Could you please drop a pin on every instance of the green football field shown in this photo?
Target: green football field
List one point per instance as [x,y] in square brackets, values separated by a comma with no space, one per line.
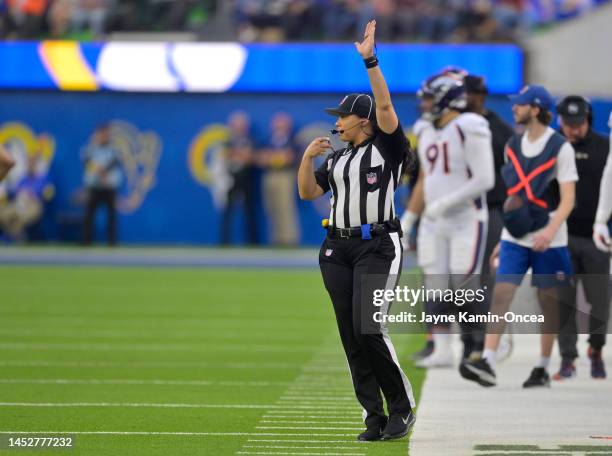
[170,361]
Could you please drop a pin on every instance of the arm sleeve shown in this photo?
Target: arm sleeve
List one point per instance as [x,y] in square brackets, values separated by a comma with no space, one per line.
[322,174]
[566,164]
[604,207]
[395,145]
[480,161]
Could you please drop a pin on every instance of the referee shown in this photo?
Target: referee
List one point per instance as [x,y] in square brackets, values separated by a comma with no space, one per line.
[363,241]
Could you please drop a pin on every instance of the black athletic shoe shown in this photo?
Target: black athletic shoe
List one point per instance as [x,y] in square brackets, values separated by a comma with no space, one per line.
[424,352]
[478,371]
[373,431]
[538,377]
[398,426]
[567,370]
[598,369]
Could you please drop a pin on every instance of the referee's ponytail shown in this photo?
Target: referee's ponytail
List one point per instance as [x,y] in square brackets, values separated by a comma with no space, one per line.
[409,162]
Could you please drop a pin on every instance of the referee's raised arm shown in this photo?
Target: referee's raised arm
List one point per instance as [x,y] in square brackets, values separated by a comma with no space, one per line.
[385,113]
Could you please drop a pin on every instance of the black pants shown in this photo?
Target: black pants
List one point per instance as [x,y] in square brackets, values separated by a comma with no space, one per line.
[242,190]
[592,267]
[494,230]
[95,198]
[487,276]
[371,357]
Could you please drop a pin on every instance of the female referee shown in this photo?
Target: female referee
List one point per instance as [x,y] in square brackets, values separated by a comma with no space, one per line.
[363,241]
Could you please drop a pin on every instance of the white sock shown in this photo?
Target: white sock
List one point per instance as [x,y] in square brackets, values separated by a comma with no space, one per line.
[543,362]
[489,355]
[442,341]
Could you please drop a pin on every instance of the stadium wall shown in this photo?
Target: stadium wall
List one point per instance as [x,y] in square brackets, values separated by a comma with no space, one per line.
[168,147]
[574,57]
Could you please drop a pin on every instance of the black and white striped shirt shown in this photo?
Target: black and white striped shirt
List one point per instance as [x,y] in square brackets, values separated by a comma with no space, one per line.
[363,179]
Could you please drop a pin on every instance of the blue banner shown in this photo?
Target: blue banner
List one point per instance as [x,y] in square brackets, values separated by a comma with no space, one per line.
[235,67]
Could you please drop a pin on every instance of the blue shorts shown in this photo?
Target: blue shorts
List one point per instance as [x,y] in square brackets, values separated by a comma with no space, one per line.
[551,268]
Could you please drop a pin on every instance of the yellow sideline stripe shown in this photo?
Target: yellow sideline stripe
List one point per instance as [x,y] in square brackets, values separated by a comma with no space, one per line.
[66,65]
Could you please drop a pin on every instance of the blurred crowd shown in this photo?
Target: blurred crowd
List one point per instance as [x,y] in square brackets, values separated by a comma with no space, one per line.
[94,19]
[397,20]
[287,20]
[245,166]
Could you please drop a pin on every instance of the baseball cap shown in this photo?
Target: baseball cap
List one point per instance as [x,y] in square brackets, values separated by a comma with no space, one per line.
[360,104]
[475,84]
[533,95]
[574,109]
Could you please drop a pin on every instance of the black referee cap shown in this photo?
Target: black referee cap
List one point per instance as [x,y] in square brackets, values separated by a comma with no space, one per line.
[360,104]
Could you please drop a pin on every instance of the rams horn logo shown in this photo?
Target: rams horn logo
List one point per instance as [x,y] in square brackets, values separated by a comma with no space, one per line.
[139,154]
[206,161]
[22,142]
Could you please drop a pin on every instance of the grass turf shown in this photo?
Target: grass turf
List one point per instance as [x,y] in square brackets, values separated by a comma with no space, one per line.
[240,352]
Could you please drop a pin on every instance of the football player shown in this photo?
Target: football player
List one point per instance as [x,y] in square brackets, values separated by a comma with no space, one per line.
[456,170]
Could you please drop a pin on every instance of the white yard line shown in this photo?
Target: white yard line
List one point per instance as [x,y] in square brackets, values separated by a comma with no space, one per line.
[147,365]
[323,404]
[146,405]
[269,415]
[297,428]
[314,412]
[346,442]
[309,397]
[322,390]
[278,348]
[301,453]
[285,421]
[300,447]
[211,434]
[195,336]
[97,381]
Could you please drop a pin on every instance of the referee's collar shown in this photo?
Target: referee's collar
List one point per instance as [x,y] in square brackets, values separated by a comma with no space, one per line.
[361,144]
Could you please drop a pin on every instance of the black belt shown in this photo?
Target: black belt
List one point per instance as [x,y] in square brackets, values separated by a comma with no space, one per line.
[376,229]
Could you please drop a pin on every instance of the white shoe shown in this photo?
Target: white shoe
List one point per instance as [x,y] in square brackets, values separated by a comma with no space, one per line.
[439,358]
[505,347]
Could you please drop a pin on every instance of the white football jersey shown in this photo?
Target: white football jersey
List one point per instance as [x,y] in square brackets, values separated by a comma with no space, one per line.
[420,125]
[442,156]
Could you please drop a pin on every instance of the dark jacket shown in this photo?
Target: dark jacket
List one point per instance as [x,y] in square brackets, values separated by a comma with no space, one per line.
[500,134]
[591,155]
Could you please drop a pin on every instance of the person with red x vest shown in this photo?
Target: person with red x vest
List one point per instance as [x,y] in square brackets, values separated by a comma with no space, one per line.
[540,176]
